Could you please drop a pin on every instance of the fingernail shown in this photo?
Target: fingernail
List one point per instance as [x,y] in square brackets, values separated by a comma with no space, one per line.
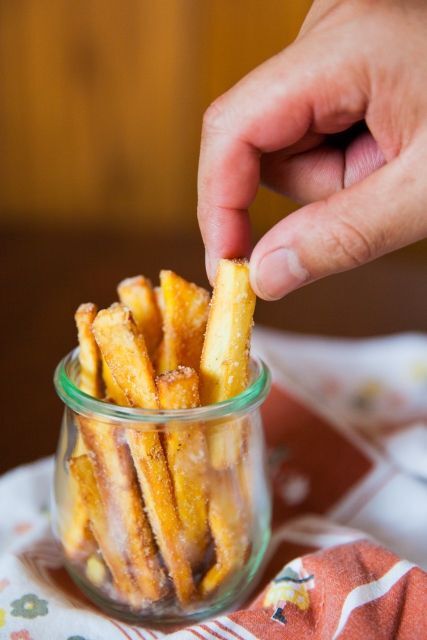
[278,273]
[210,264]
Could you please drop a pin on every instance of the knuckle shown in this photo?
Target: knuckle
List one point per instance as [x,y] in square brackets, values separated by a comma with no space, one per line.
[350,244]
[215,116]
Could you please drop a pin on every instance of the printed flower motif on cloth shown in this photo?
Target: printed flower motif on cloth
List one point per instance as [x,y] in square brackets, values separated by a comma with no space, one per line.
[292,584]
[20,635]
[29,606]
[2,618]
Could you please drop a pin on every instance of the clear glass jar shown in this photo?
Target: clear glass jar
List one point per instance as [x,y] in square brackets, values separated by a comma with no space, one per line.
[163,516]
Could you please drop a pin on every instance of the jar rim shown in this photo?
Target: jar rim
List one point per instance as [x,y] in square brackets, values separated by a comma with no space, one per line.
[84,404]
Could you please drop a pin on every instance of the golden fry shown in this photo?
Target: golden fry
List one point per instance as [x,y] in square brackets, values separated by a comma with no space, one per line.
[185,311]
[224,366]
[138,295]
[115,478]
[89,357]
[187,458]
[126,354]
[77,533]
[159,299]
[229,526]
[112,390]
[160,360]
[82,472]
[157,491]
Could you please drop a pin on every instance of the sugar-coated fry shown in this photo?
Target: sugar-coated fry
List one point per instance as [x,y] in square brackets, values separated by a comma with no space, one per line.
[187,459]
[157,491]
[252,458]
[89,357]
[229,526]
[159,299]
[161,361]
[118,489]
[225,358]
[138,295]
[126,354]
[82,472]
[112,390]
[77,534]
[185,311]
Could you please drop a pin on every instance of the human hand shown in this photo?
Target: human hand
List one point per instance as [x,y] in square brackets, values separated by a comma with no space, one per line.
[353,61]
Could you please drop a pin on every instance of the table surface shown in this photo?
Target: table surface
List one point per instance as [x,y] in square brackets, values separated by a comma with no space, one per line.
[46,274]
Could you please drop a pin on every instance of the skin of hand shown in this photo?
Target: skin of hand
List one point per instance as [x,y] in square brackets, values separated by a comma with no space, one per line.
[365,191]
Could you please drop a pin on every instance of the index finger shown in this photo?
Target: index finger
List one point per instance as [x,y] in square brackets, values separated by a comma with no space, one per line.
[308,86]
[253,117]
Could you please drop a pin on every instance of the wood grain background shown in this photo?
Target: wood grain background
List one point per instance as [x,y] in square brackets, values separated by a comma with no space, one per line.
[101,103]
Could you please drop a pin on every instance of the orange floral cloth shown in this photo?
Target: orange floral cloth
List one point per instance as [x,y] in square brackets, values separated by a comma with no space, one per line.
[346,424]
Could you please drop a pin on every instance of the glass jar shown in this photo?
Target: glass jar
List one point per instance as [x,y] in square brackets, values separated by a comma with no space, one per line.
[163,516]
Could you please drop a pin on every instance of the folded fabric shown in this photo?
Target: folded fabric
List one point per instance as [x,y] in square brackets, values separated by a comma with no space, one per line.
[346,424]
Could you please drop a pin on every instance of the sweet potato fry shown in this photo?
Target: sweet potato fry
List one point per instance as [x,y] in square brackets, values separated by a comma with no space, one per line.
[159,299]
[187,458]
[82,472]
[76,534]
[229,526]
[138,295]
[89,357]
[118,489]
[125,352]
[112,389]
[160,359]
[185,312]
[225,357]
[123,347]
[223,374]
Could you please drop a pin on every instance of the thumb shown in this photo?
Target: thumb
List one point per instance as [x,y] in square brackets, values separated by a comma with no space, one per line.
[383,212]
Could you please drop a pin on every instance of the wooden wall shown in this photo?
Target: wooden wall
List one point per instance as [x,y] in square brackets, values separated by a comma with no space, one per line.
[101,103]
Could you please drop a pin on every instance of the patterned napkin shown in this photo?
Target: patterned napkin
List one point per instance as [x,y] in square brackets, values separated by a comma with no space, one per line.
[346,423]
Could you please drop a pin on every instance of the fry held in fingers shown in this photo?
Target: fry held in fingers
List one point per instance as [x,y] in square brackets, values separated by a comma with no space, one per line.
[126,354]
[224,373]
[187,459]
[224,366]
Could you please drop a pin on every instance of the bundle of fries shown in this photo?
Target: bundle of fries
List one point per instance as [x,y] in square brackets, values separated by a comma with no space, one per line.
[162,511]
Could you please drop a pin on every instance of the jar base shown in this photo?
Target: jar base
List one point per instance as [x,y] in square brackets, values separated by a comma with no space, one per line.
[163,615]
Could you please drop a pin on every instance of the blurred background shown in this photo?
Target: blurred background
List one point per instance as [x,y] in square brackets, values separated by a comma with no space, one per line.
[101,105]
